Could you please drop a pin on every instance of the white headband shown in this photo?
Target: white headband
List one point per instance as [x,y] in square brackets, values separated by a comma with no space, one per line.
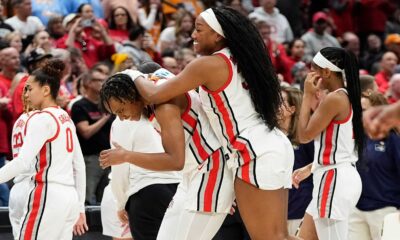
[210,18]
[322,62]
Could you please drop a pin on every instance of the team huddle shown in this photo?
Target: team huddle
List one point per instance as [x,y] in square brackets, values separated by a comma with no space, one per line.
[187,148]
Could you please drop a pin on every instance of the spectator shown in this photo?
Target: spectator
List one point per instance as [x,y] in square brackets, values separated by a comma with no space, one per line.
[237,5]
[351,42]
[55,28]
[291,9]
[23,22]
[342,13]
[388,63]
[380,181]
[41,40]
[318,38]
[368,84]
[394,88]
[372,16]
[6,129]
[280,28]
[171,65]
[373,54]
[393,24]
[277,51]
[178,36]
[10,63]
[119,24]
[73,6]
[184,56]
[34,60]
[392,43]
[130,5]
[93,130]
[295,54]
[134,47]
[92,50]
[14,40]
[45,10]
[151,17]
[4,27]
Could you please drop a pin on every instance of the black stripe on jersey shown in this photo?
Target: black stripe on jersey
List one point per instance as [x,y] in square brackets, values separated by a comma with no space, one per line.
[45,189]
[214,107]
[222,161]
[204,140]
[187,130]
[199,192]
[250,147]
[194,153]
[254,173]
[231,113]
[336,144]
[333,191]
[320,148]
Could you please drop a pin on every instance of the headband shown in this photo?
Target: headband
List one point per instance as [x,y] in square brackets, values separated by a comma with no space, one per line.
[210,18]
[323,62]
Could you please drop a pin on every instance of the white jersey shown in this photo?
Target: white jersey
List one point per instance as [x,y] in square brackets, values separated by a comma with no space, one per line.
[233,116]
[17,139]
[335,144]
[128,179]
[51,147]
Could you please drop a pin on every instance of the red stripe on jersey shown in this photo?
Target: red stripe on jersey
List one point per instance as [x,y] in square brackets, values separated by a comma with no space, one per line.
[230,76]
[328,144]
[38,193]
[55,119]
[325,193]
[197,142]
[228,124]
[212,179]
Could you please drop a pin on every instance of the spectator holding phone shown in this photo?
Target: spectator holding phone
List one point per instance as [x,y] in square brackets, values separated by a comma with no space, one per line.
[92,50]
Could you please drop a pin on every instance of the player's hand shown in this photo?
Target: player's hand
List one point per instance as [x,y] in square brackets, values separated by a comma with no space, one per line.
[300,174]
[312,84]
[233,210]
[112,157]
[80,226]
[123,217]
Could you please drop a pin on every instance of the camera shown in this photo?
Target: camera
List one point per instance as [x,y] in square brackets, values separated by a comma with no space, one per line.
[86,23]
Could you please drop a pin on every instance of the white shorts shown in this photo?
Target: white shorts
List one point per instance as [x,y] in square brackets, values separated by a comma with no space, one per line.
[18,200]
[180,223]
[336,192]
[52,211]
[112,226]
[271,170]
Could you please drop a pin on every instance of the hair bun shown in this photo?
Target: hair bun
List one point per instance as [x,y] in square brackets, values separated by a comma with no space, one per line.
[54,67]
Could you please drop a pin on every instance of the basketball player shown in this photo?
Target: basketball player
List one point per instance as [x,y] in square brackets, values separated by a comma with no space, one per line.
[56,197]
[240,94]
[337,130]
[205,195]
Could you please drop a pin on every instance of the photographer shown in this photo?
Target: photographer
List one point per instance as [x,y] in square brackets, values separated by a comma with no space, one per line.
[92,50]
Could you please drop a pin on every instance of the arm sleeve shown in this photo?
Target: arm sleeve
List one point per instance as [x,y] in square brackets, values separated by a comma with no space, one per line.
[148,22]
[79,174]
[40,128]
[120,184]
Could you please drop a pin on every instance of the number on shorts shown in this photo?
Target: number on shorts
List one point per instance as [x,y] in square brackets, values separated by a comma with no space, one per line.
[70,143]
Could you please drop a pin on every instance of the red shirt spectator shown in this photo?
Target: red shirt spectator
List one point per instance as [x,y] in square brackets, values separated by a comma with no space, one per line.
[382,80]
[5,120]
[373,14]
[16,99]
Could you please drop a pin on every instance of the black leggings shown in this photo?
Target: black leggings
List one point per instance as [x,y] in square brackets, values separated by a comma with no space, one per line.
[146,210]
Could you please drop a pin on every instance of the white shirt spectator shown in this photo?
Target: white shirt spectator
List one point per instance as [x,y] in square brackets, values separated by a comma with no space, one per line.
[30,27]
[280,28]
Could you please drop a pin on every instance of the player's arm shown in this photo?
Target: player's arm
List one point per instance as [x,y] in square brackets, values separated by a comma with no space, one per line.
[80,173]
[173,141]
[195,74]
[120,184]
[40,128]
